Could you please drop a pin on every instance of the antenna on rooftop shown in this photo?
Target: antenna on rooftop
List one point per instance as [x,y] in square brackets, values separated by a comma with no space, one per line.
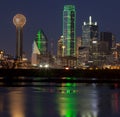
[90,20]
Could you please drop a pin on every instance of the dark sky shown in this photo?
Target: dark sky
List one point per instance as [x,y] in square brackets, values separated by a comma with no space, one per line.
[47,15]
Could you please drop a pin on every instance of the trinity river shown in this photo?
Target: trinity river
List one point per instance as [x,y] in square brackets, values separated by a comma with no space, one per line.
[59,99]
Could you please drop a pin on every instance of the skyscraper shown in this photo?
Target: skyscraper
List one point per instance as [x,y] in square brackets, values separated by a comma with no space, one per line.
[107,37]
[89,32]
[39,50]
[90,41]
[69,30]
[40,43]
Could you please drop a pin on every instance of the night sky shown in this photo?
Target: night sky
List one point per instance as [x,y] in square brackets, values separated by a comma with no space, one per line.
[47,15]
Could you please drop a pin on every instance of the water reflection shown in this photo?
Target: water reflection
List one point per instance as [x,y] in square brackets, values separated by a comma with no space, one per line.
[64,99]
[1,102]
[67,101]
[72,104]
[116,99]
[17,102]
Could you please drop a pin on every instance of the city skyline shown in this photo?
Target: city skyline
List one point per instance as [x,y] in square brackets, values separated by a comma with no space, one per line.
[47,15]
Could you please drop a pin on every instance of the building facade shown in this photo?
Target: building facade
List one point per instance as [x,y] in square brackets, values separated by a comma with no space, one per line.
[89,32]
[41,42]
[60,47]
[69,30]
[107,37]
[40,48]
[90,40]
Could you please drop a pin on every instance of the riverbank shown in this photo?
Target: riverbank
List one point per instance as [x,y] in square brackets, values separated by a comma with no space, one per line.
[101,73]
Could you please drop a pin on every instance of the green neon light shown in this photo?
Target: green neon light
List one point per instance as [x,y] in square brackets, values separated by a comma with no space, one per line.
[39,39]
[69,98]
[75,44]
[69,8]
[68,34]
[69,18]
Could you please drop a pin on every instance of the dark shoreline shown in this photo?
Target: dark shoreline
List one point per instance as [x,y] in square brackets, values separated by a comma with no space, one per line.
[12,77]
[101,73]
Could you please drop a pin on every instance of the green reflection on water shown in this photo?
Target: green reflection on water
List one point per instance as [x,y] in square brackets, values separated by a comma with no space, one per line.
[75,100]
[67,99]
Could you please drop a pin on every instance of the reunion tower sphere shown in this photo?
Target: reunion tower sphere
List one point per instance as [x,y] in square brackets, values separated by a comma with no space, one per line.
[19,20]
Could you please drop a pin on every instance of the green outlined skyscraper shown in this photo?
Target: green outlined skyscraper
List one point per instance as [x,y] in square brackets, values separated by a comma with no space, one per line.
[69,30]
[40,43]
[39,48]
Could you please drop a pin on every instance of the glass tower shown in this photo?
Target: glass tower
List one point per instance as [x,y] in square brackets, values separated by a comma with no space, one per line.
[107,37]
[40,43]
[39,49]
[89,32]
[69,30]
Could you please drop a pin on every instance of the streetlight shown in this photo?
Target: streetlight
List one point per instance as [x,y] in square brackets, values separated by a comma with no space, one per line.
[19,21]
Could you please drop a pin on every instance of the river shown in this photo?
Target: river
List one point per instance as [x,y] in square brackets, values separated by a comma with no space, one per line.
[51,99]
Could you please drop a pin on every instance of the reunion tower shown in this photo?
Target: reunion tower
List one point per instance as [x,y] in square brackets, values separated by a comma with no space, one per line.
[19,21]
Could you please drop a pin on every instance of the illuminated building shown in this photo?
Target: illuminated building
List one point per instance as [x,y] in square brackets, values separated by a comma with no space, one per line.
[89,32]
[83,56]
[118,51]
[69,30]
[62,60]
[113,41]
[94,53]
[39,48]
[107,48]
[19,21]
[60,47]
[90,41]
[78,45]
[41,42]
[1,54]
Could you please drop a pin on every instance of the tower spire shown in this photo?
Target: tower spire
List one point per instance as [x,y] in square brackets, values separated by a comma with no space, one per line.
[90,20]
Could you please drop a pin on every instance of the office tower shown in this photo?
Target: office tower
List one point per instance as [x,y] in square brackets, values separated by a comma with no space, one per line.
[90,37]
[39,50]
[78,45]
[118,51]
[109,48]
[69,30]
[19,21]
[89,32]
[107,37]
[40,43]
